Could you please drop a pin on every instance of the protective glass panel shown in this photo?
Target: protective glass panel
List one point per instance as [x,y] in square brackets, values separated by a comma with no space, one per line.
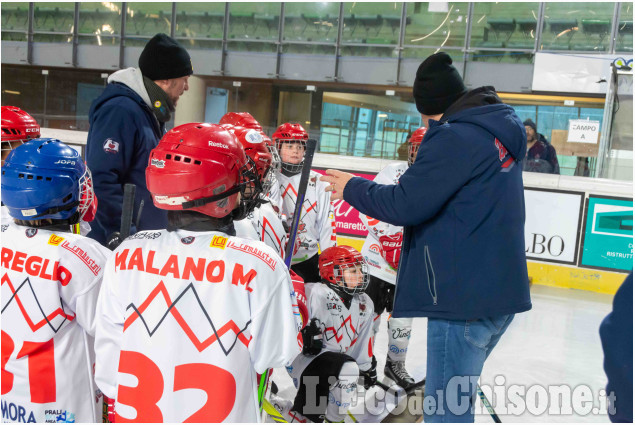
[249,21]
[436,24]
[200,20]
[148,18]
[577,26]
[624,42]
[372,23]
[311,21]
[53,17]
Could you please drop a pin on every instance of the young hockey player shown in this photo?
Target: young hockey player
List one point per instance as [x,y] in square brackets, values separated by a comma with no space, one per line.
[381,251]
[194,307]
[317,223]
[51,279]
[337,340]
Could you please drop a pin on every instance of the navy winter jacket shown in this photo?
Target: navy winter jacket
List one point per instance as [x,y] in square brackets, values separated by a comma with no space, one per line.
[123,130]
[463,210]
[616,333]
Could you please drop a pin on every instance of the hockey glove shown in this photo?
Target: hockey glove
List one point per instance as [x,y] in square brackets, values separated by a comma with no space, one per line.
[312,338]
[391,248]
[369,376]
[300,295]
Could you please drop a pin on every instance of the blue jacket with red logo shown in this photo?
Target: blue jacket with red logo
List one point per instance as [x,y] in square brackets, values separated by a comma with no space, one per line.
[462,206]
[123,130]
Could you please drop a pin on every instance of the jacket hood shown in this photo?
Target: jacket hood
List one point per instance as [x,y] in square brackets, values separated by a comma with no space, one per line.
[484,108]
[128,83]
[133,78]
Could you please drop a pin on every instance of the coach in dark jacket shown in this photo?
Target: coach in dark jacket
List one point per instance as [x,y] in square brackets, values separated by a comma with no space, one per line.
[126,122]
[462,207]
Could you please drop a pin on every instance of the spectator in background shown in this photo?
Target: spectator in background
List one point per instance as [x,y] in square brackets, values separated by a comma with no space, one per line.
[126,123]
[616,332]
[541,155]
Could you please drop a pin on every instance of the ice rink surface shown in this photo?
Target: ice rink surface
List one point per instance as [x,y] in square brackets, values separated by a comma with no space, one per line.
[556,343]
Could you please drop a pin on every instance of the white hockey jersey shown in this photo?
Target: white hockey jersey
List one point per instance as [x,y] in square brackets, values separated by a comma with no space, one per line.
[317,221]
[344,330]
[186,319]
[50,286]
[371,250]
[264,224]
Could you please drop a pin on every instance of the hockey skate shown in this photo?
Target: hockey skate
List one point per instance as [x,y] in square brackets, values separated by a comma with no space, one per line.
[395,372]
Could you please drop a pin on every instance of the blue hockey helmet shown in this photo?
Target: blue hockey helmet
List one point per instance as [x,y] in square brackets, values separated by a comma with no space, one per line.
[45,178]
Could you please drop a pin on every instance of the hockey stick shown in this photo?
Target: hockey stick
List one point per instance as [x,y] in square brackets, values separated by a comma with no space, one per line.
[487,404]
[127,208]
[304,181]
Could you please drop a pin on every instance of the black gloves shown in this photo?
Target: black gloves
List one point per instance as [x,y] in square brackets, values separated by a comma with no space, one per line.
[312,338]
[369,376]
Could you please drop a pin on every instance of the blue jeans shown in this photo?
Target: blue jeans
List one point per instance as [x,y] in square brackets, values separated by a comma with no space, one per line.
[457,350]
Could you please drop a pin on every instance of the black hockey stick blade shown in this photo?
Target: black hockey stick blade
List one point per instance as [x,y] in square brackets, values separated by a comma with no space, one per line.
[304,181]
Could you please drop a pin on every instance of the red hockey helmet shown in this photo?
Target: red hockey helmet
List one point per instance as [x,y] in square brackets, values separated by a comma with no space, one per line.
[201,167]
[290,133]
[17,128]
[414,143]
[338,267]
[241,119]
[256,148]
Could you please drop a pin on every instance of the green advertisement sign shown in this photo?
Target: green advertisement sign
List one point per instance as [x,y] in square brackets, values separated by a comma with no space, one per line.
[608,234]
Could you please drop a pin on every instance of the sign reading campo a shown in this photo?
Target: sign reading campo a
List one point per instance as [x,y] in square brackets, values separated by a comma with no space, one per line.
[583,131]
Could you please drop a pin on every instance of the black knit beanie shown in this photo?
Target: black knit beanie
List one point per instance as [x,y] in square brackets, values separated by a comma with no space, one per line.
[164,58]
[437,84]
[529,123]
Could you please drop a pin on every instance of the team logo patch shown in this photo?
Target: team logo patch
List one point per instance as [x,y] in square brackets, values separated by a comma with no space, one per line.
[218,242]
[111,146]
[30,232]
[55,240]
[157,163]
[187,240]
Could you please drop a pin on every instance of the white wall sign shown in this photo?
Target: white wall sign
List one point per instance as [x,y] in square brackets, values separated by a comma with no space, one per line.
[583,131]
[571,73]
[552,222]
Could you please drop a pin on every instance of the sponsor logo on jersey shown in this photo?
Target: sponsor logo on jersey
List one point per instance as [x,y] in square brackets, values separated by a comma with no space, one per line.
[218,242]
[30,232]
[396,350]
[266,258]
[111,146]
[59,416]
[159,163]
[16,413]
[375,248]
[187,240]
[82,255]
[55,240]
[145,235]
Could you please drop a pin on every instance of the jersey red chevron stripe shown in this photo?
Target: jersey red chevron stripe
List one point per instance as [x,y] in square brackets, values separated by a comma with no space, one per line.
[200,345]
[289,187]
[34,326]
[343,325]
